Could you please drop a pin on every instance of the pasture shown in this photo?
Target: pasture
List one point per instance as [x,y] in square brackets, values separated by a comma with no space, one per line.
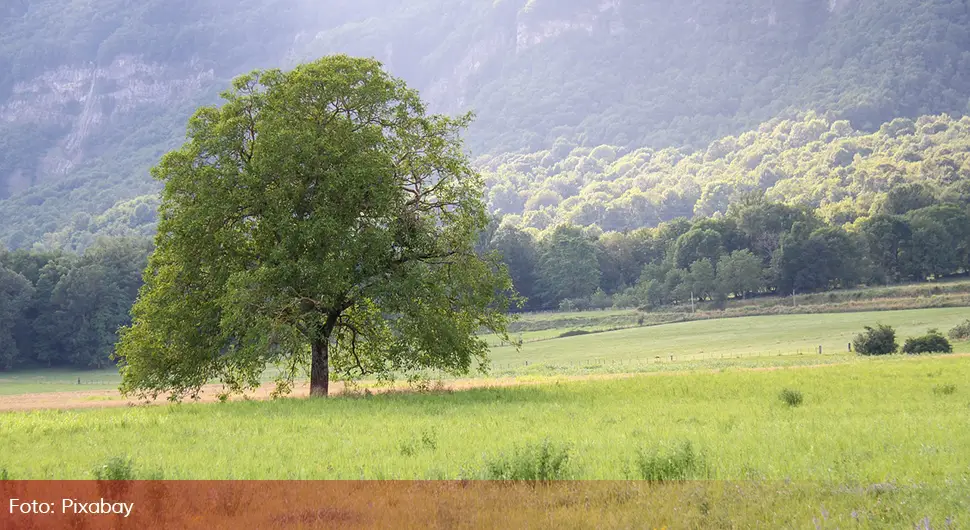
[756,341]
[775,438]
[744,337]
[883,441]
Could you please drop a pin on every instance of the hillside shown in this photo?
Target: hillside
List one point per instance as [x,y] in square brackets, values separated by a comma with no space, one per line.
[811,162]
[92,93]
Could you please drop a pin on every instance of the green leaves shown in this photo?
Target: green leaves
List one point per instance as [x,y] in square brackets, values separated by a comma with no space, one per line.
[317,210]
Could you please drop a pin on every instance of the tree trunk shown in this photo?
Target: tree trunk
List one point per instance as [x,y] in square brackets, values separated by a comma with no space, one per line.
[320,367]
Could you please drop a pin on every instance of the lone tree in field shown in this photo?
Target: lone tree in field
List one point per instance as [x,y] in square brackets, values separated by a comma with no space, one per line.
[318,218]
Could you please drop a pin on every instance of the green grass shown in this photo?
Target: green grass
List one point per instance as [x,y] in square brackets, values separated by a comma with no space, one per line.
[878,425]
[57,380]
[705,344]
[874,421]
[758,336]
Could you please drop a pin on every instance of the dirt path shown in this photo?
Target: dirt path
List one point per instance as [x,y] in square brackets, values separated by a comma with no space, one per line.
[111,398]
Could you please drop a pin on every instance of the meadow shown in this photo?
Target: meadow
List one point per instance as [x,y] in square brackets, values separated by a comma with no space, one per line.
[753,341]
[881,441]
[743,337]
[741,412]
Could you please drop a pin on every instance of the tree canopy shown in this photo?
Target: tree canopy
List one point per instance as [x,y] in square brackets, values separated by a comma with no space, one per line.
[319,218]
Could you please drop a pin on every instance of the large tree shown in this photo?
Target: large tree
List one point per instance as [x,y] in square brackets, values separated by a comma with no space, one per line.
[567,266]
[319,217]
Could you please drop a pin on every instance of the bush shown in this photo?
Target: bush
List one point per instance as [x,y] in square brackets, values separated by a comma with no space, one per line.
[880,340]
[116,468]
[792,398]
[682,463]
[574,304]
[932,342]
[945,390]
[600,300]
[961,332]
[536,462]
[626,299]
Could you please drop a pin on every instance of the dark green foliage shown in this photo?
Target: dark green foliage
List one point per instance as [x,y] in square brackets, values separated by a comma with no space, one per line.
[947,389]
[665,464]
[880,340]
[740,273]
[792,398]
[960,331]
[65,310]
[567,265]
[932,342]
[16,293]
[538,462]
[518,251]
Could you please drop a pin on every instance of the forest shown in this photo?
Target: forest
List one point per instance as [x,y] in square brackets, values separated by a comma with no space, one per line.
[64,309]
[815,162]
[825,207]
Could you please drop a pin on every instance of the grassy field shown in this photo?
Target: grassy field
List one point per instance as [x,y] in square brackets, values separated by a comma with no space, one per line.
[887,439]
[713,339]
[775,439]
[57,380]
[705,344]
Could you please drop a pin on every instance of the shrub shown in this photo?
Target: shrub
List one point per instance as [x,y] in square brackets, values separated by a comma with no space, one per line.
[880,340]
[681,463]
[116,468]
[932,342]
[535,462]
[961,331]
[600,300]
[792,398]
[945,390]
[626,299]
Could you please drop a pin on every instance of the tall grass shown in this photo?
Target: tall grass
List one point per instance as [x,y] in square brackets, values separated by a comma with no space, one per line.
[664,464]
[871,421]
[876,435]
[538,462]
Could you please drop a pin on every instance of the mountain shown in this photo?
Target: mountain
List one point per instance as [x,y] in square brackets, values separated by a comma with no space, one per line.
[93,92]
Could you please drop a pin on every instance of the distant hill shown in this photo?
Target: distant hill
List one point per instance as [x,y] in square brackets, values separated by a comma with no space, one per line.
[92,93]
[813,162]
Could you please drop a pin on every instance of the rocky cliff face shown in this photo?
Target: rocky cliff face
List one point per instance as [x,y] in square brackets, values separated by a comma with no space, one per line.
[78,102]
[82,101]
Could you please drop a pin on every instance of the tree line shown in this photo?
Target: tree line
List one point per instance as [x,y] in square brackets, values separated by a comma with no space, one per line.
[64,309]
[759,247]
